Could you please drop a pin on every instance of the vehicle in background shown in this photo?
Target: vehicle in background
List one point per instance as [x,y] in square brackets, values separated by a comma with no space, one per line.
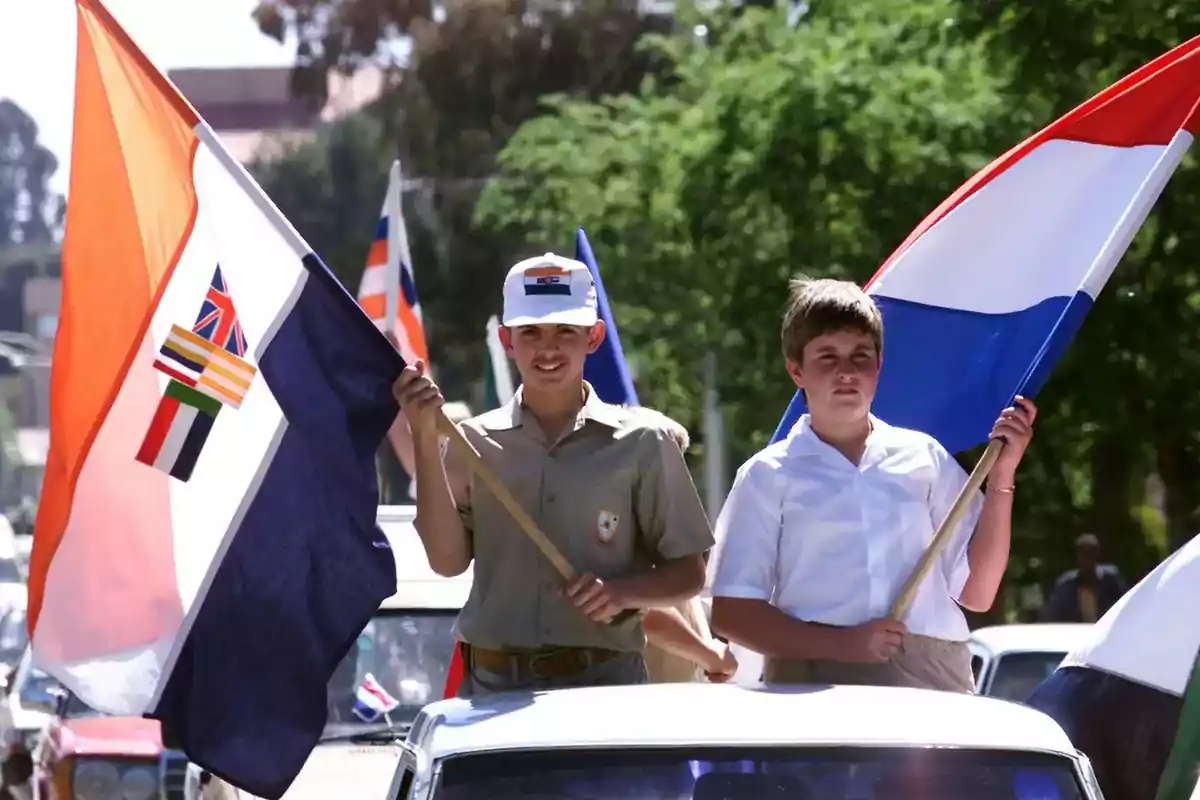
[1009,661]
[695,741]
[76,751]
[407,647]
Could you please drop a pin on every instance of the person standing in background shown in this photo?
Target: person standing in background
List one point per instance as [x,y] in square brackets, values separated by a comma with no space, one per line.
[1086,593]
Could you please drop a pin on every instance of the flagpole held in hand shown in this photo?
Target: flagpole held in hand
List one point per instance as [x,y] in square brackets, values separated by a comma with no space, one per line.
[492,481]
[946,530]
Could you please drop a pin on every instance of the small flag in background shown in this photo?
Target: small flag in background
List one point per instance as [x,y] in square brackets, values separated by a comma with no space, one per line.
[605,369]
[388,295]
[497,373]
[372,701]
[984,296]
[388,291]
[207,548]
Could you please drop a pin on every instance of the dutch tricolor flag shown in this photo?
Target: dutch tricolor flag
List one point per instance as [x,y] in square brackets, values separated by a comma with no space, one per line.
[984,296]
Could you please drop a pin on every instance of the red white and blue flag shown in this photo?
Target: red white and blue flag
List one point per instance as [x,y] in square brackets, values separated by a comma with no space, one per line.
[372,701]
[388,291]
[981,300]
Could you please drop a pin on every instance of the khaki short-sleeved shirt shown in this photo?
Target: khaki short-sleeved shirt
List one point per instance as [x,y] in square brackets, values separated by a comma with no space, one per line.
[614,495]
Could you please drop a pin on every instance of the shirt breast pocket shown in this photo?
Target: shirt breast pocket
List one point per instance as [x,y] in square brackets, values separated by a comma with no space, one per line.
[909,501]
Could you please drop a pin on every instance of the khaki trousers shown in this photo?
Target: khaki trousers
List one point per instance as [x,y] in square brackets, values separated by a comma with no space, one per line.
[922,662]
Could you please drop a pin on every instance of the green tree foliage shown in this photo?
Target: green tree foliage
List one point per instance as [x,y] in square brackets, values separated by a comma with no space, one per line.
[472,74]
[772,152]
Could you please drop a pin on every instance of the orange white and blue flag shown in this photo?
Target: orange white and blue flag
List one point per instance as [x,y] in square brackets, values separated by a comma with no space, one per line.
[388,292]
[206,541]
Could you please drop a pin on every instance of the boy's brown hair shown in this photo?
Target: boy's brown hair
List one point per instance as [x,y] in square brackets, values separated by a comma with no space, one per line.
[824,306]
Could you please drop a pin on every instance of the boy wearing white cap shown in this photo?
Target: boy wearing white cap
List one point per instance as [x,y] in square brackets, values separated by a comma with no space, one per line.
[607,485]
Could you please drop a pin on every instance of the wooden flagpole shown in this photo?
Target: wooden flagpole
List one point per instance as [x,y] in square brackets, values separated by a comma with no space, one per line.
[941,538]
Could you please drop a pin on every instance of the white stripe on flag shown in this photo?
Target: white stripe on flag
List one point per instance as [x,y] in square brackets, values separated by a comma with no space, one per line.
[168,454]
[374,281]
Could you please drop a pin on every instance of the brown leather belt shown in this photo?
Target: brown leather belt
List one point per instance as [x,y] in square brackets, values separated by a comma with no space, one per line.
[557,662]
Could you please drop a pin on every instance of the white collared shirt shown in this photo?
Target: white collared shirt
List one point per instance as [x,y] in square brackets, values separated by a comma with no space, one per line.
[829,541]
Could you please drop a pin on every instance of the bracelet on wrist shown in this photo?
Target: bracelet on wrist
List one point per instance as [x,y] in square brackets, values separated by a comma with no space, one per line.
[1010,489]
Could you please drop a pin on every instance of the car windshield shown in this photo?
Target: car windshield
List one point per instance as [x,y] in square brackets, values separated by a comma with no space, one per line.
[408,654]
[755,773]
[1016,675]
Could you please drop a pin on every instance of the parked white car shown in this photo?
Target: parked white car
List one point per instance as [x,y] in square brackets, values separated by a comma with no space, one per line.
[1009,661]
[407,646]
[705,741]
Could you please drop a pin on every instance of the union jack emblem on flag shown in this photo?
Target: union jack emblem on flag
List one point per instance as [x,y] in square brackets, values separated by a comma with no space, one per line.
[208,370]
[218,323]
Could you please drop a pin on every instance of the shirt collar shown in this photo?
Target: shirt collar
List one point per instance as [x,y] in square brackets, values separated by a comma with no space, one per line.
[803,440]
[510,415]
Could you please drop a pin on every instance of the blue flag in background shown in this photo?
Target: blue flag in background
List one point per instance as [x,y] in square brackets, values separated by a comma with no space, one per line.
[605,369]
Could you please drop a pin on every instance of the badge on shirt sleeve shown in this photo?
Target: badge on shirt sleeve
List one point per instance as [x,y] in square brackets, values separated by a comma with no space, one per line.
[606,526]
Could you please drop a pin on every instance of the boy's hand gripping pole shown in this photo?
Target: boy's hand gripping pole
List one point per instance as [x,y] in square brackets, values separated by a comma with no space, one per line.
[941,538]
[492,481]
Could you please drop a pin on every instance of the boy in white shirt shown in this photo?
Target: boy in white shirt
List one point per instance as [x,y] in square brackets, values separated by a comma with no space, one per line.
[822,529]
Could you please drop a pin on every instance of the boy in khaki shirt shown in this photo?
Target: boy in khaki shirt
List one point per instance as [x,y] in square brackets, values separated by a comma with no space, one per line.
[607,485]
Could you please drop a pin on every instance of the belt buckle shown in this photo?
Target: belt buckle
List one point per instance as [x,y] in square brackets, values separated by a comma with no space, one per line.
[555,656]
[539,658]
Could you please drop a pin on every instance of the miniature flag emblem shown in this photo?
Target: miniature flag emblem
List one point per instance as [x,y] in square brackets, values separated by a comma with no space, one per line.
[547,280]
[372,701]
[207,372]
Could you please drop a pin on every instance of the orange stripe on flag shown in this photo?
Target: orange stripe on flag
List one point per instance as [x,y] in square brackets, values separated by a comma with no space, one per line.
[132,209]
[378,253]
[544,272]
[413,331]
[375,305]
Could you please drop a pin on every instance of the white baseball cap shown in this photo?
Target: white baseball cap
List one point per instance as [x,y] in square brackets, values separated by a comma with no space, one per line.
[549,289]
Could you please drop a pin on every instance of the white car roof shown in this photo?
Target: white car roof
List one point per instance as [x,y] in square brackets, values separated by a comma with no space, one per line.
[716,715]
[1048,637]
[417,585]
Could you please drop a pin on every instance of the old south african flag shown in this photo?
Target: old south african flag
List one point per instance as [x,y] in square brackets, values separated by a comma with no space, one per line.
[208,370]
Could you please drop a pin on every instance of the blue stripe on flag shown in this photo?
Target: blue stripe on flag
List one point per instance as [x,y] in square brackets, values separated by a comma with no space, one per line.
[308,566]
[948,372]
[193,443]
[381,228]
[547,288]
[605,369]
